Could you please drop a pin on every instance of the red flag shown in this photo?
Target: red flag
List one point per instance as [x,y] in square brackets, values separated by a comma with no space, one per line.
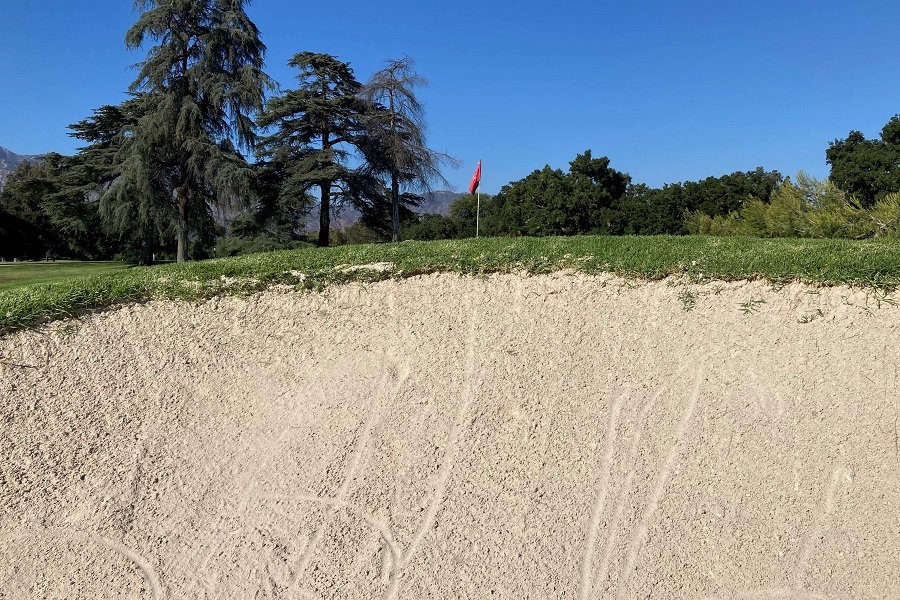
[476,179]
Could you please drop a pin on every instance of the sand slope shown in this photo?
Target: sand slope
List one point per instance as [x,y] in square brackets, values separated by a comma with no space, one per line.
[445,437]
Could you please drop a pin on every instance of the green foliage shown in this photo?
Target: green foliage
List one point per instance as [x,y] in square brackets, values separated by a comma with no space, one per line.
[314,126]
[807,208]
[202,84]
[281,216]
[395,145]
[359,233]
[432,227]
[377,209]
[139,221]
[22,202]
[235,246]
[649,211]
[751,306]
[42,213]
[550,202]
[594,198]
[885,216]
[463,214]
[867,169]
[688,300]
[19,238]
[459,224]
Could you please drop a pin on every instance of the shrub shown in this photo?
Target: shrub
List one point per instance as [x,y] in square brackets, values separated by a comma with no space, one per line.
[806,208]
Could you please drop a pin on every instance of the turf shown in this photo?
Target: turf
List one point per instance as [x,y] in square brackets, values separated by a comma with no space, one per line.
[873,263]
[14,275]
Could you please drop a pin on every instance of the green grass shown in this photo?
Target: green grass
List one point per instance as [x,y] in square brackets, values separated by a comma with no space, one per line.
[872,263]
[14,275]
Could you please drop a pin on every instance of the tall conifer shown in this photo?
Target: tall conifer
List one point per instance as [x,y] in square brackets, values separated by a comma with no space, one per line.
[203,82]
[315,127]
[396,146]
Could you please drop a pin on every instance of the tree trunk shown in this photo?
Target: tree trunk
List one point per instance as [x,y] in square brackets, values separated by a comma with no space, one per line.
[325,215]
[395,184]
[182,226]
[146,249]
[325,205]
[395,208]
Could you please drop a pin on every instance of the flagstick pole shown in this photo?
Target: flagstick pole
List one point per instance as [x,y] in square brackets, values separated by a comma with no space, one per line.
[478,206]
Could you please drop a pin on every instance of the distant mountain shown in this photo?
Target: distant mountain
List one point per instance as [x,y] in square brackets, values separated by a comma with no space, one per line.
[436,203]
[9,162]
[344,216]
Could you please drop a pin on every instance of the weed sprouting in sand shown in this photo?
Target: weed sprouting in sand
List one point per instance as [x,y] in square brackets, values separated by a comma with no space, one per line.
[811,316]
[882,295]
[751,306]
[688,300]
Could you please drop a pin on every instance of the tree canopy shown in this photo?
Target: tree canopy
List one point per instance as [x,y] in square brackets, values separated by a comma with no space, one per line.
[551,202]
[395,146]
[867,169]
[46,212]
[315,127]
[203,82]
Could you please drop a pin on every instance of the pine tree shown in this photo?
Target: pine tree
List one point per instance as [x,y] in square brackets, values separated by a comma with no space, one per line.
[22,200]
[61,219]
[99,164]
[203,81]
[396,146]
[316,126]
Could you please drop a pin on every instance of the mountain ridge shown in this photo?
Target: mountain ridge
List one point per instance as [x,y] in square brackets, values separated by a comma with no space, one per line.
[437,202]
[9,162]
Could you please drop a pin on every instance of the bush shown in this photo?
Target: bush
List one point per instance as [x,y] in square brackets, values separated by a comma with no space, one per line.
[807,208]
[432,227]
[358,233]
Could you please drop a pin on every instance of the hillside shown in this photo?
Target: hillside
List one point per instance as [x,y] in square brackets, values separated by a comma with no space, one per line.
[9,162]
[438,203]
[434,203]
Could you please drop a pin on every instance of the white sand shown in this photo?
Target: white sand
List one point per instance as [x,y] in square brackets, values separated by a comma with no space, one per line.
[445,437]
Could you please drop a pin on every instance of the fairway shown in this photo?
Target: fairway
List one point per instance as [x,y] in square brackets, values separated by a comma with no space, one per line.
[13,275]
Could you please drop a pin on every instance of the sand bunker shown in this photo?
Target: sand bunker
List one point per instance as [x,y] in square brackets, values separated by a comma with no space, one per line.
[445,437]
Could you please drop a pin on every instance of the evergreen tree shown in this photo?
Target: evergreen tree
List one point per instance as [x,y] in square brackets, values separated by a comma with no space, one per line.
[316,125]
[283,217]
[55,217]
[18,238]
[97,166]
[396,146]
[868,169]
[22,200]
[203,82]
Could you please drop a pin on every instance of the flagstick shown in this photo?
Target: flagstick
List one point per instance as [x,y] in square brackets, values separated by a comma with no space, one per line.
[478,214]
[478,204]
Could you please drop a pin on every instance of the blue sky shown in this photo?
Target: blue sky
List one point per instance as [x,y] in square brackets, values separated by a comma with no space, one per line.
[670,91]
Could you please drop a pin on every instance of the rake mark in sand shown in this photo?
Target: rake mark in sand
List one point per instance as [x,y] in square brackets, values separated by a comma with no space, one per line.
[640,532]
[142,563]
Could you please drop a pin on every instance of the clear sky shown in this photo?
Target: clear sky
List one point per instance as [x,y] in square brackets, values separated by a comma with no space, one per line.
[670,91]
